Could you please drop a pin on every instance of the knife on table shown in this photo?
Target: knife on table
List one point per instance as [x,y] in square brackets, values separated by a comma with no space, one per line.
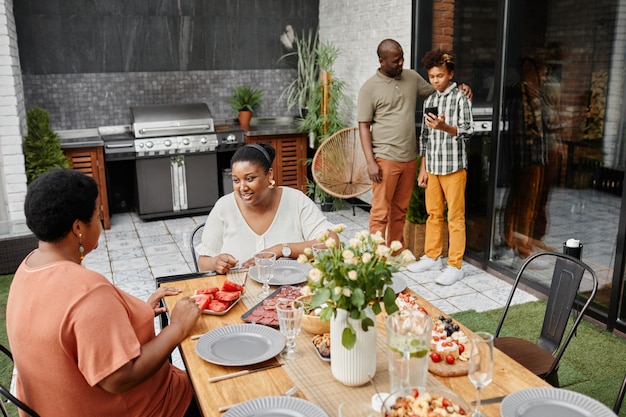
[492,400]
[244,372]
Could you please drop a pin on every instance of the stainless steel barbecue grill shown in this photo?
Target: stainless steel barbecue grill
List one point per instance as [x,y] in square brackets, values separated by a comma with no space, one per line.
[177,155]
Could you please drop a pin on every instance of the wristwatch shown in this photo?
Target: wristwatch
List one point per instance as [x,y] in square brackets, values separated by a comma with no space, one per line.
[286,251]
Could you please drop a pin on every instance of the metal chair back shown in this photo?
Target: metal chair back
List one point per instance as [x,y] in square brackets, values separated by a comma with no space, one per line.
[562,301]
[620,397]
[195,235]
[10,397]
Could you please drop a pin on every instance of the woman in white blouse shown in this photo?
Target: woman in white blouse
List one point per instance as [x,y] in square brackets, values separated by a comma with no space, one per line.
[258,216]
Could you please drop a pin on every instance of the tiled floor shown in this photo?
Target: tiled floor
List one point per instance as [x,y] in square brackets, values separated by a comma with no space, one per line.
[133,252]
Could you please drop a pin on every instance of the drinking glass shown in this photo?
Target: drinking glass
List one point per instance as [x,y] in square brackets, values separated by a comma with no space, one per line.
[265,262]
[409,333]
[480,365]
[289,321]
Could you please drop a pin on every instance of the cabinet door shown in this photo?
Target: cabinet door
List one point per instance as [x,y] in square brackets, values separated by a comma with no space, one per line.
[290,162]
[90,161]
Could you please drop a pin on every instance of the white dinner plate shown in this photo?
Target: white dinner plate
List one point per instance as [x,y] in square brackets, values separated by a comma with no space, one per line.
[286,272]
[278,406]
[240,344]
[553,402]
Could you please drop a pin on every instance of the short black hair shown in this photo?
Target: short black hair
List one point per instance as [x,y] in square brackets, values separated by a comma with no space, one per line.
[56,199]
[437,58]
[259,153]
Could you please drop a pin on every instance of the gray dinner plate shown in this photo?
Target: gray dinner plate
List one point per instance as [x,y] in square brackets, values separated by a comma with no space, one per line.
[278,406]
[553,402]
[286,272]
[240,344]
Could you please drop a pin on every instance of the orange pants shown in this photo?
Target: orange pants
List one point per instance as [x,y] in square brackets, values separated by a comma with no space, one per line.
[391,197]
[441,189]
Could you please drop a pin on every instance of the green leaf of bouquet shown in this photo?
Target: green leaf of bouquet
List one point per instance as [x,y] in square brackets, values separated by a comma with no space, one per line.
[358,298]
[320,297]
[376,308]
[366,323]
[348,338]
[389,299]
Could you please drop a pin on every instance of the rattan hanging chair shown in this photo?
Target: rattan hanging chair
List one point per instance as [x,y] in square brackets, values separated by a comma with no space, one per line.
[339,166]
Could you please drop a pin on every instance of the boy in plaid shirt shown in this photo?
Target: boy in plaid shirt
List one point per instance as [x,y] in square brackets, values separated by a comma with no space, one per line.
[443,169]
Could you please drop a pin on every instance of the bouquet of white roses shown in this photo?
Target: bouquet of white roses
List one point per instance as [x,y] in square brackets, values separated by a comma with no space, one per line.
[354,276]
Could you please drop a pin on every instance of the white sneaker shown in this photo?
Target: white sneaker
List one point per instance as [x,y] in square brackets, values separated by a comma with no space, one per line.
[449,276]
[425,264]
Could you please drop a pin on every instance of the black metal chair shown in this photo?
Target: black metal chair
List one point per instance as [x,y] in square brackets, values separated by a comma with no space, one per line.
[543,357]
[10,397]
[192,244]
[620,397]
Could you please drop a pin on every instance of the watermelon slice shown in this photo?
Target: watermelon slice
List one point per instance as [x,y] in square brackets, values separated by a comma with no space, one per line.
[203,300]
[227,296]
[231,286]
[218,306]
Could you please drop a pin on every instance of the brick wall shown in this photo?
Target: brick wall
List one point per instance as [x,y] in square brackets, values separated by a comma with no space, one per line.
[443,24]
[12,124]
[356,27]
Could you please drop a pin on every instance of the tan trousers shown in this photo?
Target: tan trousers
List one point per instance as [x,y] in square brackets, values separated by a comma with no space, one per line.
[441,189]
[391,197]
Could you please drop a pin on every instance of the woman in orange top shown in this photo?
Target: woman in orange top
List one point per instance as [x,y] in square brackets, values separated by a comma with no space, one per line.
[81,346]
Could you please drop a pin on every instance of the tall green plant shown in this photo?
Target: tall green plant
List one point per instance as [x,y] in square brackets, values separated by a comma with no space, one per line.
[304,48]
[324,125]
[42,147]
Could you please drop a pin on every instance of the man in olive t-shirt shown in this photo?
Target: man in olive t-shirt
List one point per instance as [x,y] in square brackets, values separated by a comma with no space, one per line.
[386,116]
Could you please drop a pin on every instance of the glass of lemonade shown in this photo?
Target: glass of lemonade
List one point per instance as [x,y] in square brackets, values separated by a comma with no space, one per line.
[409,333]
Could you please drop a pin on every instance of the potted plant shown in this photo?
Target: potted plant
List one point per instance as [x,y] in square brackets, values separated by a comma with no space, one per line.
[325,114]
[245,101]
[415,225]
[303,51]
[42,146]
[349,281]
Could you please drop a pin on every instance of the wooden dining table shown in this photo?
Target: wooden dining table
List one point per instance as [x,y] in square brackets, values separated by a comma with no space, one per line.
[309,373]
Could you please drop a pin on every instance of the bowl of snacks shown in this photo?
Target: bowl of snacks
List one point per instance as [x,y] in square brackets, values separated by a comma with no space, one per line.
[410,401]
[311,321]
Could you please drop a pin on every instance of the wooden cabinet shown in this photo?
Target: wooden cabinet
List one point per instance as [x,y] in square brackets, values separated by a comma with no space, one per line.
[90,160]
[290,163]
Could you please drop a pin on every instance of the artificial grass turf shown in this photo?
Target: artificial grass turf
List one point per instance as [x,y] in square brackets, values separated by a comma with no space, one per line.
[593,363]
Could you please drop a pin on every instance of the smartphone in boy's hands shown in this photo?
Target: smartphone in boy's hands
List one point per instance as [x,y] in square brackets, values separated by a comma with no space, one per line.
[432,110]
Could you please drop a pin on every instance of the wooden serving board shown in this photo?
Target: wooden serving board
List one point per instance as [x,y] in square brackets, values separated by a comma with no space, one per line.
[443,368]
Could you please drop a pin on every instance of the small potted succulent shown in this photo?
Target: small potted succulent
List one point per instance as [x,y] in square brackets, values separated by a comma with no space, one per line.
[245,101]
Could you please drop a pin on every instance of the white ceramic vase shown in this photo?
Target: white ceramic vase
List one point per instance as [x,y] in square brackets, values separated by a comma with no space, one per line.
[352,367]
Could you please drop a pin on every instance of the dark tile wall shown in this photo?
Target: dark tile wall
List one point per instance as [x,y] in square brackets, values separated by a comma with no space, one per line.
[79,101]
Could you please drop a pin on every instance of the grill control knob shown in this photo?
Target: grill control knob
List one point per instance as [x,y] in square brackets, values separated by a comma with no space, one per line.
[167,142]
[149,144]
[231,138]
[203,140]
[186,141]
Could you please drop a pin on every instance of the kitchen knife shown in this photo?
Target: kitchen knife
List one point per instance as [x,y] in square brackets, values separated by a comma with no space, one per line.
[492,400]
[244,372]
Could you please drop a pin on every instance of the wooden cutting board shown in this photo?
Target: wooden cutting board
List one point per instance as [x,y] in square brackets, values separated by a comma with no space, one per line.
[443,368]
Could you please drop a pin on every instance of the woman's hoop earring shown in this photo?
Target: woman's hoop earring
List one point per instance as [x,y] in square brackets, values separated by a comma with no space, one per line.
[81,248]
[272,184]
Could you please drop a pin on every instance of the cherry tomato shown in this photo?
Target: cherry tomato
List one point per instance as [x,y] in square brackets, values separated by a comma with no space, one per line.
[435,356]
[446,402]
[423,310]
[416,393]
[450,359]
[461,348]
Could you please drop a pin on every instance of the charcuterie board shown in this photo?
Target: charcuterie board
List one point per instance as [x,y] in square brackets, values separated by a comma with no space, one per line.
[264,312]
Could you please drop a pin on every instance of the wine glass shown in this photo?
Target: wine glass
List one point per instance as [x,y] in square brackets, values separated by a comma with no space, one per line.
[289,314]
[481,365]
[264,262]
